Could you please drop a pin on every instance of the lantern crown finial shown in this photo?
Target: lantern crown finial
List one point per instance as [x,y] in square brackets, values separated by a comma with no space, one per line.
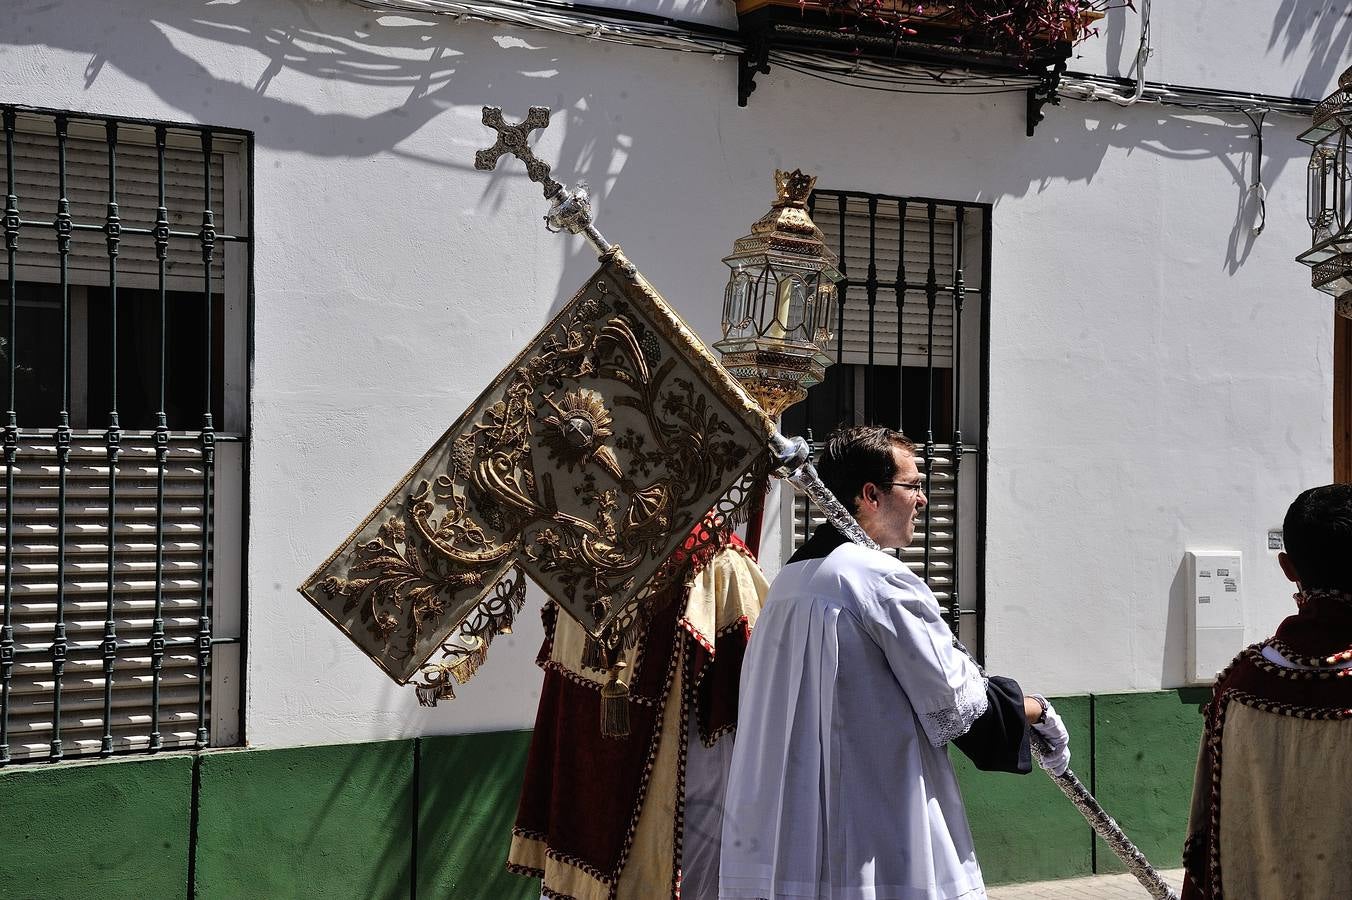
[793,188]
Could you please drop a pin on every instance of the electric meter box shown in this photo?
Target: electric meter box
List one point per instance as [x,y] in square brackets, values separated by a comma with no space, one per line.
[1215,612]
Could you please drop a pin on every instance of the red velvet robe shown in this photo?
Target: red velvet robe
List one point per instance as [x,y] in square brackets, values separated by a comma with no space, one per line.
[601,818]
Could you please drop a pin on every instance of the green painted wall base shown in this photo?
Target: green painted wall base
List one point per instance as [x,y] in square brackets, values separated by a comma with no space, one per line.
[465,824]
[432,817]
[1136,752]
[336,821]
[1023,827]
[1145,756]
[104,829]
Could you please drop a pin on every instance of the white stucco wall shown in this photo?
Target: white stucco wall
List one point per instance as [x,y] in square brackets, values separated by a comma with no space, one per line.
[1160,377]
[1291,48]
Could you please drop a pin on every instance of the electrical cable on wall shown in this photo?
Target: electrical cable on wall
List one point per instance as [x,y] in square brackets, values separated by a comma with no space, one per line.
[611,26]
[898,77]
[1143,53]
[622,26]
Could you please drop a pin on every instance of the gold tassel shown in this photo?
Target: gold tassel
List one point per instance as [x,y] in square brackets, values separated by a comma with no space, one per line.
[469,661]
[615,705]
[594,654]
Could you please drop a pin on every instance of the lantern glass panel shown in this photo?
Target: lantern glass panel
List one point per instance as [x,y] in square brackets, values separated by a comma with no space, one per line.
[738,320]
[1328,196]
[1317,175]
[1341,187]
[790,304]
[1334,276]
[762,300]
[824,314]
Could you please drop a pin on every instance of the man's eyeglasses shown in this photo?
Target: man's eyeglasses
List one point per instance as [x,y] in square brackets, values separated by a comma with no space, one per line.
[915,487]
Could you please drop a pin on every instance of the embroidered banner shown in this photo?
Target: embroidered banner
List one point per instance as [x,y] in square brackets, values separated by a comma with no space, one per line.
[586,463]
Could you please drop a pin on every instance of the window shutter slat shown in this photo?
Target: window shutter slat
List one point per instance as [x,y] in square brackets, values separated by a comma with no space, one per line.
[34,597]
[37,187]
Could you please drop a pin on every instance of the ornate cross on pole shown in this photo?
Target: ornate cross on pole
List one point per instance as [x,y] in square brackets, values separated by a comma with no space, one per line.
[569,210]
[512,140]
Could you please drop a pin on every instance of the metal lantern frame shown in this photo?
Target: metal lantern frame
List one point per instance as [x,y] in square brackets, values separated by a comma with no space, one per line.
[807,312]
[1329,196]
[780,300]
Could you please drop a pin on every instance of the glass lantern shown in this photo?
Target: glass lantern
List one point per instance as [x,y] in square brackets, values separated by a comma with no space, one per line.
[780,300]
[1328,196]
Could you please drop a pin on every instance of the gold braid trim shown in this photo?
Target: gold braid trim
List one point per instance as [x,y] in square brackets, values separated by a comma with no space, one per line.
[467,649]
[1255,655]
[584,681]
[682,752]
[1315,662]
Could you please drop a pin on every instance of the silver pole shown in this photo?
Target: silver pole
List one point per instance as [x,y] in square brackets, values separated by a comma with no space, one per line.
[1107,828]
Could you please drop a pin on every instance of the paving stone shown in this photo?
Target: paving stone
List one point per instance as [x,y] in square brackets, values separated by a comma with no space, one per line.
[1097,887]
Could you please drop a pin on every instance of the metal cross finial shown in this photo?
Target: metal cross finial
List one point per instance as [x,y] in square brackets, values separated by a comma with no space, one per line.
[568,210]
[512,139]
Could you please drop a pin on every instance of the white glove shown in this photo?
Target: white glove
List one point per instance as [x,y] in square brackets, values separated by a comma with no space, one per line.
[1055,757]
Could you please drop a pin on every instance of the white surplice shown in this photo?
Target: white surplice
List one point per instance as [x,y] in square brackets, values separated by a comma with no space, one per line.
[841,787]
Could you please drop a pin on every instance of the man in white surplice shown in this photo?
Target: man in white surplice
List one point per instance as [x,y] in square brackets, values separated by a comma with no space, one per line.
[841,787]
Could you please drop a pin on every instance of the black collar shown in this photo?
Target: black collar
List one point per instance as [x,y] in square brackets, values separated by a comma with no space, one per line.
[825,539]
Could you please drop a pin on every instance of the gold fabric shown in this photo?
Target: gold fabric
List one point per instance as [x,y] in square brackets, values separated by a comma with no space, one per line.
[731,588]
[725,593]
[566,880]
[586,463]
[1284,789]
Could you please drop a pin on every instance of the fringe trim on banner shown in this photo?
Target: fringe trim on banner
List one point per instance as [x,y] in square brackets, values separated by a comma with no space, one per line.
[464,668]
[594,655]
[467,649]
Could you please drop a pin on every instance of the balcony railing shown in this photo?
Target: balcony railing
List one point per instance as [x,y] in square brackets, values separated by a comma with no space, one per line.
[985,37]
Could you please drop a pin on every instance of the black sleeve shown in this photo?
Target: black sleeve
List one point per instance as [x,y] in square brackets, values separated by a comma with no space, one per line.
[998,739]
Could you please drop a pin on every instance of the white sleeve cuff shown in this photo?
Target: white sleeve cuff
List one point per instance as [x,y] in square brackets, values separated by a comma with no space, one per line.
[946,723]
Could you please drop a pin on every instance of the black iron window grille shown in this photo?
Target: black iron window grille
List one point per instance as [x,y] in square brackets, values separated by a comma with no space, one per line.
[911,353]
[124,335]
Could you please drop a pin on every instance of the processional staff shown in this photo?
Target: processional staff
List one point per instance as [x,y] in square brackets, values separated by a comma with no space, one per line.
[777,365]
[613,446]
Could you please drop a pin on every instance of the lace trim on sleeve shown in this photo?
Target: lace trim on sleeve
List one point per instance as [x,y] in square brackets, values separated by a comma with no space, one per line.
[949,722]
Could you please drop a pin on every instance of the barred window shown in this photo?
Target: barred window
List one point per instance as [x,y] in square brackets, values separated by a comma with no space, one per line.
[910,354]
[123,346]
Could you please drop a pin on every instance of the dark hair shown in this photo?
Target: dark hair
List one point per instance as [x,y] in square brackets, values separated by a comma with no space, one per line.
[855,455]
[1317,532]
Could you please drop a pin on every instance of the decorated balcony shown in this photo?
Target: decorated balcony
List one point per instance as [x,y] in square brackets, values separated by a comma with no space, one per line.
[996,37]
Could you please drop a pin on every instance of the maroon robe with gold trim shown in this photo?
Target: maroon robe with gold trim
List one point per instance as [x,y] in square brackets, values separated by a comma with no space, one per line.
[601,818]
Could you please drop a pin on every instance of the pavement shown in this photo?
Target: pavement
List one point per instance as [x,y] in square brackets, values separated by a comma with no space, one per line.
[1096,887]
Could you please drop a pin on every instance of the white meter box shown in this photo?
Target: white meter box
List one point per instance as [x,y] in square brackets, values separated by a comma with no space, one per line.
[1215,612]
